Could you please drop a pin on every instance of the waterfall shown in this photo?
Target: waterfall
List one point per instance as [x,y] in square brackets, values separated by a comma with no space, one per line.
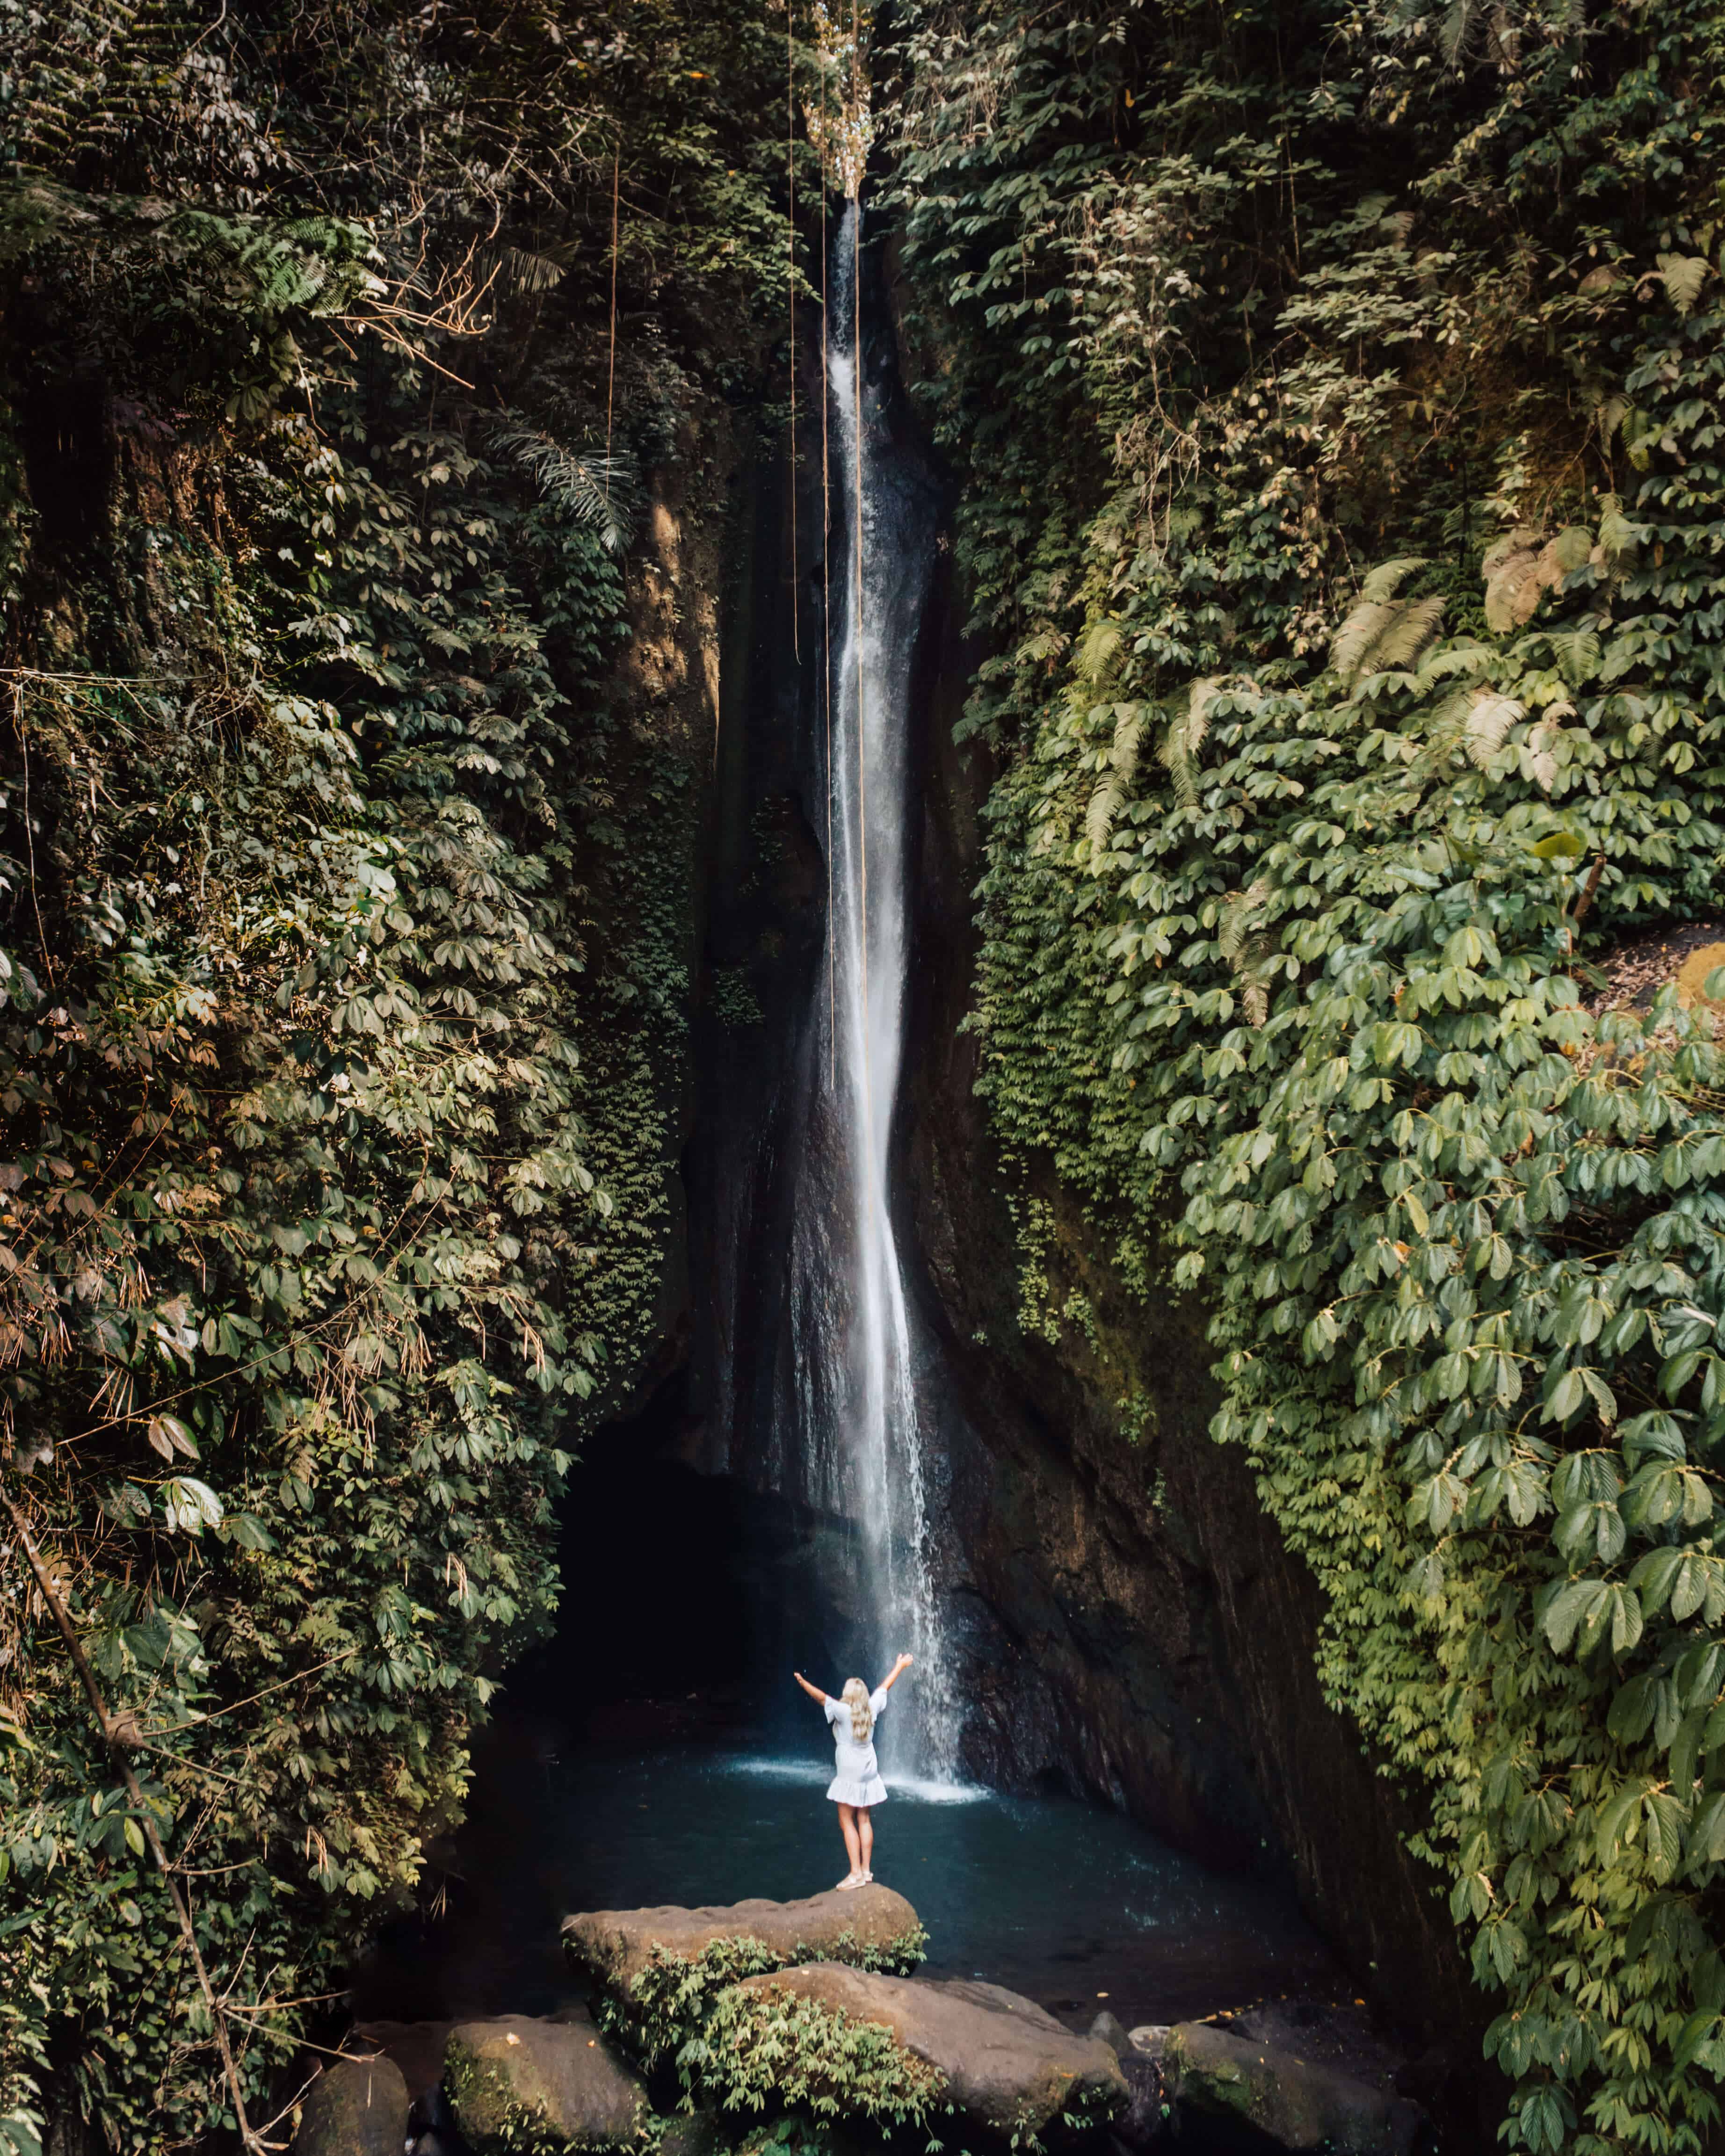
[850,1433]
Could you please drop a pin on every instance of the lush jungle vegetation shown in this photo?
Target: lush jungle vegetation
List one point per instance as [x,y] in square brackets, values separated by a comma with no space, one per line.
[1335,389]
[1334,393]
[344,858]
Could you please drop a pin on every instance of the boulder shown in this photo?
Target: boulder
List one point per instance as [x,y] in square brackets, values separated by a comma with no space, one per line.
[1006,2065]
[1211,2073]
[519,2083]
[1107,2029]
[355,2107]
[872,1925]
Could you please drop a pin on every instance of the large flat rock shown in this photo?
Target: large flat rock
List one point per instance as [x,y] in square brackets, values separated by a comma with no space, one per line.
[1006,2065]
[518,2083]
[871,1926]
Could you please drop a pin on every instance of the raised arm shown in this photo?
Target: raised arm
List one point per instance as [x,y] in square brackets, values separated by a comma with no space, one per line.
[897,1671]
[813,1690]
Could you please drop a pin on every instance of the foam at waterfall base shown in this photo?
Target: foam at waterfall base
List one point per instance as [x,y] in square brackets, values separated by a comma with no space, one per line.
[817,1774]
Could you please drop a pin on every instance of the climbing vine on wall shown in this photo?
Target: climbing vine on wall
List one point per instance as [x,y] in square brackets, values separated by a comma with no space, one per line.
[338,943]
[1336,391]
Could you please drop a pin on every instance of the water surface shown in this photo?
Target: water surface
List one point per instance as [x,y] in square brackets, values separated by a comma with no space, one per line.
[1069,1903]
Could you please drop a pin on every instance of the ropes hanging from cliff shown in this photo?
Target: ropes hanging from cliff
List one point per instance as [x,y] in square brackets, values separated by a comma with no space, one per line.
[790,166]
[611,370]
[843,141]
[862,760]
[826,609]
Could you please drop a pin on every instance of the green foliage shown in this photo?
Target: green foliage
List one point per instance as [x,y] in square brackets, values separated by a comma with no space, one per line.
[497,2120]
[340,937]
[670,2004]
[1217,312]
[765,2045]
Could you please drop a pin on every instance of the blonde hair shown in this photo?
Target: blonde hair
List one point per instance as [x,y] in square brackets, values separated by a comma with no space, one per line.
[855,1697]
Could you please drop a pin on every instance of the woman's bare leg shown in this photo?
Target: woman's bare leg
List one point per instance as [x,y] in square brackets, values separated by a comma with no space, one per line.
[847,1827]
[866,1836]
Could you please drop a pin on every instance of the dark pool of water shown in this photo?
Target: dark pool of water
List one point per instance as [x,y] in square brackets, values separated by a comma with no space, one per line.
[1061,1900]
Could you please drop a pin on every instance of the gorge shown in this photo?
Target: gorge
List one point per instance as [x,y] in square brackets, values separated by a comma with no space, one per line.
[823,835]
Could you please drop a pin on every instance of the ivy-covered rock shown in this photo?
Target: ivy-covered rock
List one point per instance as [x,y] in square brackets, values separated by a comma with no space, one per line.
[355,2107]
[1006,2066]
[520,2086]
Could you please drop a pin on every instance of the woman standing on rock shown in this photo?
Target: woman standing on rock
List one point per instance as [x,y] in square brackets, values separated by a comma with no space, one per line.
[856,1786]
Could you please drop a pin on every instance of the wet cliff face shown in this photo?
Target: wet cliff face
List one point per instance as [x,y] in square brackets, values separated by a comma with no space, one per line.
[1122,1616]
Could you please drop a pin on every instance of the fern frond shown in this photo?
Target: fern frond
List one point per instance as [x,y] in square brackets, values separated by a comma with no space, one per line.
[1384,582]
[1128,729]
[1237,911]
[1098,657]
[1683,276]
[1490,717]
[591,488]
[1248,954]
[1458,21]
[1358,635]
[1183,738]
[1099,817]
[1578,655]
[1404,637]
[1111,789]
[1382,631]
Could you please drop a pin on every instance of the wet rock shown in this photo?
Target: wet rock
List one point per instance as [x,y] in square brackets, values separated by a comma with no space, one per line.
[1107,2029]
[615,1945]
[1215,2075]
[1148,2120]
[355,2107]
[518,2083]
[1008,2065]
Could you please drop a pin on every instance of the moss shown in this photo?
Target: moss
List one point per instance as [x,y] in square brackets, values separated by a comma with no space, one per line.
[491,2116]
[499,2118]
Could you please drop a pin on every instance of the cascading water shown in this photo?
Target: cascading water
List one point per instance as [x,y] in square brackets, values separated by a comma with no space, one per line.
[848,1429]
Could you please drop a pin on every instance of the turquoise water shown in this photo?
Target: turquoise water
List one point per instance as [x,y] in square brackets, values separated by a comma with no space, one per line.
[1061,1900]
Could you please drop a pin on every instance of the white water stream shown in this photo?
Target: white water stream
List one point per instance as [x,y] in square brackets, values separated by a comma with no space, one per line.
[858,1442]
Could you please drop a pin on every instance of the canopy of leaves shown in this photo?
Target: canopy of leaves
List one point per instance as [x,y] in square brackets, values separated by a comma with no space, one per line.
[340,934]
[1337,389]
